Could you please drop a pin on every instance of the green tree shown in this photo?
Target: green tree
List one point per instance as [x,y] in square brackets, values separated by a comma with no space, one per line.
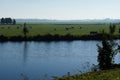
[119,30]
[2,21]
[8,20]
[106,53]
[25,30]
[14,21]
[112,28]
[105,56]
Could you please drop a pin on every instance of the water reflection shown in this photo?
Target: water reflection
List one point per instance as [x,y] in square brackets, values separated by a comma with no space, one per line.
[25,51]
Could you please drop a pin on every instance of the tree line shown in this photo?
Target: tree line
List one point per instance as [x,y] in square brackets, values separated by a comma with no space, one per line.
[7,21]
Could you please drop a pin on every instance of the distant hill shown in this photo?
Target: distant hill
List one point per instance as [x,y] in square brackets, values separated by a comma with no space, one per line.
[107,20]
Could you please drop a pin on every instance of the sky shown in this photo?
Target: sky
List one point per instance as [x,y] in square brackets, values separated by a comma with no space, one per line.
[60,9]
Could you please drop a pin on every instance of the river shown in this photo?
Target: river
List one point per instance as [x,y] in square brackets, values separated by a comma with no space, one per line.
[45,60]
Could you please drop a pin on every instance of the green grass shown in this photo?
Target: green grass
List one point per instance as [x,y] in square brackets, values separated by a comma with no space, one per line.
[113,74]
[49,28]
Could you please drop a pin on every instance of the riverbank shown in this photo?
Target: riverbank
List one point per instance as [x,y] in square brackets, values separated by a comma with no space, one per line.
[56,37]
[113,74]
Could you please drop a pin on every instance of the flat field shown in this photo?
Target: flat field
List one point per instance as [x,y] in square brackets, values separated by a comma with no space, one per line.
[76,29]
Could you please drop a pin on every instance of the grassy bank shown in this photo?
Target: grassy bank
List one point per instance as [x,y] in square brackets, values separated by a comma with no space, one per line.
[55,31]
[113,74]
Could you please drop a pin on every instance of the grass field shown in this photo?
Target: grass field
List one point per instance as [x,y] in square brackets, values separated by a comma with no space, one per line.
[76,29]
[113,74]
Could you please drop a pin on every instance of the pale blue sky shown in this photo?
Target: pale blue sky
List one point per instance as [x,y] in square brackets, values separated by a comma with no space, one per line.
[60,9]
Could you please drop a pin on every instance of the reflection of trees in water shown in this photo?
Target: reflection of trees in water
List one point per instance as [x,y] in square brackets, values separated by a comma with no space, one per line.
[24,77]
[25,50]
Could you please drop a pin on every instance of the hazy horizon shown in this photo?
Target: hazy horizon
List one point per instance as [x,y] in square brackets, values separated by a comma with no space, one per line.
[63,19]
[60,9]
[66,19]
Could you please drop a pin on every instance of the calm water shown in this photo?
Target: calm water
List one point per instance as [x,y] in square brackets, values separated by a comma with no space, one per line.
[43,60]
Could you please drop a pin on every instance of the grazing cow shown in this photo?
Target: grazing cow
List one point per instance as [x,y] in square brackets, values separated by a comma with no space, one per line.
[8,27]
[93,33]
[67,28]
[17,27]
[71,28]
[55,29]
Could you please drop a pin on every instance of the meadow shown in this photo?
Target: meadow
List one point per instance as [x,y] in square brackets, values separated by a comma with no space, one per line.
[75,29]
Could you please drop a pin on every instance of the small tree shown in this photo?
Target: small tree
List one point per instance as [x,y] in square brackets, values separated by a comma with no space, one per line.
[105,56]
[112,28]
[107,52]
[25,30]
[2,21]
[14,21]
[119,30]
